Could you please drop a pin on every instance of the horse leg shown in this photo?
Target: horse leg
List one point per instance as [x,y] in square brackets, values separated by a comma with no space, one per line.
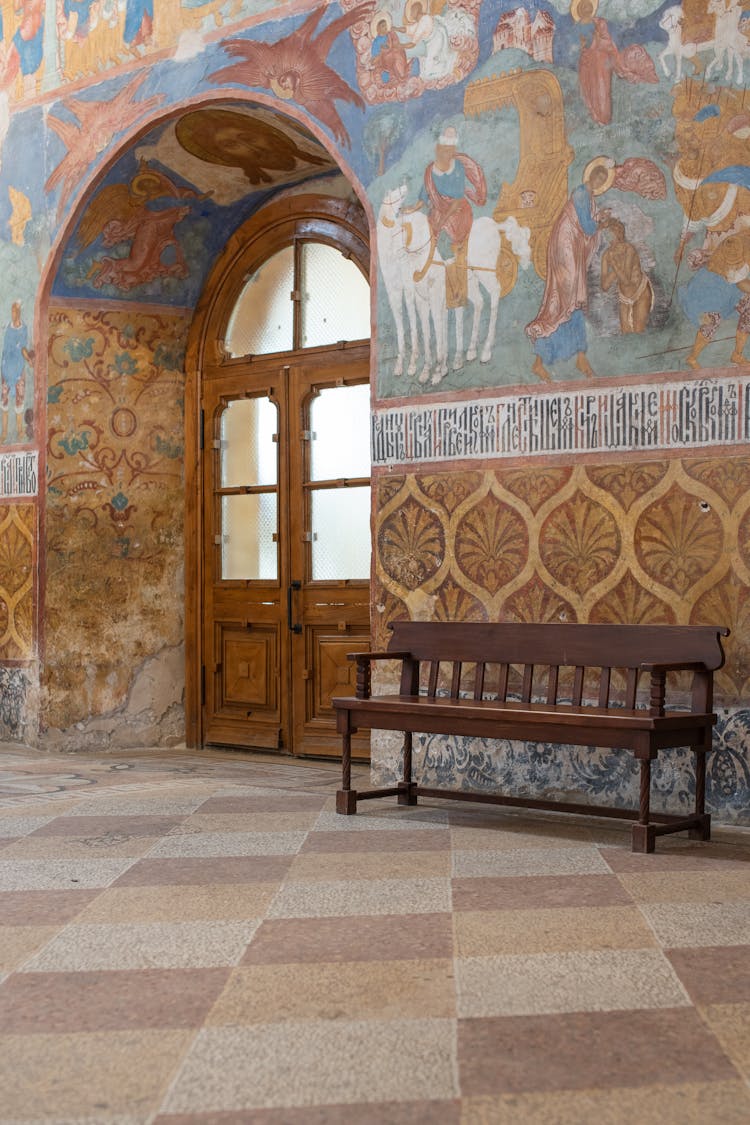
[477,304]
[411,313]
[423,309]
[440,322]
[493,291]
[458,322]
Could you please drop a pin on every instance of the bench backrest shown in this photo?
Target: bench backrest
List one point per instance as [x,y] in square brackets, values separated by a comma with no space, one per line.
[551,662]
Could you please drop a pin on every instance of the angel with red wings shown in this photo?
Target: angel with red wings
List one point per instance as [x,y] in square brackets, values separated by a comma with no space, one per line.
[96,123]
[295,67]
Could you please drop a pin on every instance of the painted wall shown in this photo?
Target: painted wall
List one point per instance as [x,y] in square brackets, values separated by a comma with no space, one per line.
[561,397]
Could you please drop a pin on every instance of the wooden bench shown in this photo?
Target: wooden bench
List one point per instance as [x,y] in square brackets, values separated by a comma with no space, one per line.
[569,684]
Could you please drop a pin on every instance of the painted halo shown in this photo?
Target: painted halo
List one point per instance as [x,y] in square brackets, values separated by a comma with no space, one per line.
[409,7]
[605,162]
[378,18]
[575,10]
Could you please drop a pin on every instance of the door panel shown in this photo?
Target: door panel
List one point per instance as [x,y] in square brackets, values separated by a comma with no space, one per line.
[280,610]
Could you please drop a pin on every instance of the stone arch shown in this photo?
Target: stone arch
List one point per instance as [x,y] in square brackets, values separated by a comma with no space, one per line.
[83,695]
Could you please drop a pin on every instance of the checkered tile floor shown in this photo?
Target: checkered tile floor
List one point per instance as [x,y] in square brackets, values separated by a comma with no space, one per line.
[200,938]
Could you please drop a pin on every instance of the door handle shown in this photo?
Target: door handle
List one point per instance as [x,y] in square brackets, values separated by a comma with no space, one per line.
[294,628]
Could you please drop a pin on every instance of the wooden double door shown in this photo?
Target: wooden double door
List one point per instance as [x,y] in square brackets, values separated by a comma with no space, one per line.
[287,547]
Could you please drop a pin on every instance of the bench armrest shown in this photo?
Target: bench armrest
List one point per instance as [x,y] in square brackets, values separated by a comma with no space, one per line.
[364,661]
[702,694]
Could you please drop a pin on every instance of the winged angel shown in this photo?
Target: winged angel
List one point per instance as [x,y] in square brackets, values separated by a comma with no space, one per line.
[295,67]
[95,125]
[144,214]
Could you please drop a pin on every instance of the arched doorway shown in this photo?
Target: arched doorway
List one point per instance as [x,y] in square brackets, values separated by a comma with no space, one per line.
[278,371]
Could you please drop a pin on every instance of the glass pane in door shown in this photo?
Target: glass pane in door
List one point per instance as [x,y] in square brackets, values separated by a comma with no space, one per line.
[248,458]
[249,547]
[340,433]
[341,544]
[262,321]
[335,297]
[249,451]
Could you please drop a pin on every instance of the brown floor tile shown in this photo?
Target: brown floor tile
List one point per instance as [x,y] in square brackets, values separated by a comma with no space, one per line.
[93,1078]
[108,1000]
[509,833]
[49,847]
[576,1051]
[220,902]
[215,869]
[103,828]
[713,885]
[314,867]
[691,1103]
[264,803]
[406,840]
[538,891]
[386,990]
[359,1113]
[730,1024]
[40,908]
[482,933]
[684,856]
[19,943]
[357,938]
[714,974]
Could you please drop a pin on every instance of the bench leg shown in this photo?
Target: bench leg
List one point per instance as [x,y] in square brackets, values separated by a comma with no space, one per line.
[406,794]
[701,831]
[644,834]
[644,838]
[346,797]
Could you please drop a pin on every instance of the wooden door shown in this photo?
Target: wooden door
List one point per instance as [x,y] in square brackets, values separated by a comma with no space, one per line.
[287,548]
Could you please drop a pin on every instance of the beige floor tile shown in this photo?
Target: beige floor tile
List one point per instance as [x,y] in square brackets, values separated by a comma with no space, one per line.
[694,1103]
[59,874]
[15,823]
[227,844]
[692,924]
[730,1024]
[316,1062]
[147,945]
[506,863]
[595,981]
[688,886]
[362,896]
[19,943]
[345,990]
[312,867]
[181,904]
[481,933]
[96,1075]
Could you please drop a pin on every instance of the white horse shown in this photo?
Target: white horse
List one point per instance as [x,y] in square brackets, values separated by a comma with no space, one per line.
[415,277]
[399,284]
[729,43]
[672,22]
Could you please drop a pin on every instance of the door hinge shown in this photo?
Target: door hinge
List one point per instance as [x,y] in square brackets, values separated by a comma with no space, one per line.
[201,429]
[203,685]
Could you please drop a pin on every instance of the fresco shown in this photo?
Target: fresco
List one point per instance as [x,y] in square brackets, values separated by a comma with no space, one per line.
[114,504]
[154,227]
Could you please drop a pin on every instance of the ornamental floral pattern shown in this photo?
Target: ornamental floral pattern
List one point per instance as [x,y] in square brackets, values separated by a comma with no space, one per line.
[114,504]
[17,566]
[659,542]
